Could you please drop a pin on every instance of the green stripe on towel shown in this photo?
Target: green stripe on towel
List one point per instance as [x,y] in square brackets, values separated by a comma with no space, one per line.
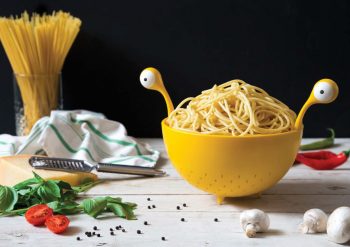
[67,146]
[120,142]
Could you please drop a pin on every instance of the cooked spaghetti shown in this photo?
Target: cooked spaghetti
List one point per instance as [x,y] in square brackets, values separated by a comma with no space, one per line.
[36,47]
[233,108]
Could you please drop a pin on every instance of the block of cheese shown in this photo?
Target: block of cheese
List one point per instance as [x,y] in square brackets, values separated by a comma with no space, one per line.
[15,169]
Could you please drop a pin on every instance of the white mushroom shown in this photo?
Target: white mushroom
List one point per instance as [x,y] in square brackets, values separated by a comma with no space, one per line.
[314,220]
[253,221]
[338,225]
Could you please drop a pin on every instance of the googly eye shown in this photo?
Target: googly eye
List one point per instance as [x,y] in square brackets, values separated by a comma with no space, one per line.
[324,92]
[147,78]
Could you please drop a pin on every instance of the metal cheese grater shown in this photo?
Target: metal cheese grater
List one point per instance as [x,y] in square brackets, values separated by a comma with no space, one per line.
[61,164]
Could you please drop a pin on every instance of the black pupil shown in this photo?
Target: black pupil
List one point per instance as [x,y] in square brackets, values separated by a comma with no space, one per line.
[321,92]
[145,79]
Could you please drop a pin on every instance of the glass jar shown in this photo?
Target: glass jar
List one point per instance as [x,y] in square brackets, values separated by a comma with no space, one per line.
[35,96]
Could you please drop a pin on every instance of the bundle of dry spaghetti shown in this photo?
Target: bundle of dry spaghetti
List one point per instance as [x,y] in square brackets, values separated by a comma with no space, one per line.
[36,47]
[233,108]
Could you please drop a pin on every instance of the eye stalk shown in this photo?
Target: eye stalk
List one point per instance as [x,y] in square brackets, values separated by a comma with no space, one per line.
[325,91]
[151,78]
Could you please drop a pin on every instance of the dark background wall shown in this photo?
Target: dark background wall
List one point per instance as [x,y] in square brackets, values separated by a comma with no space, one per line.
[283,46]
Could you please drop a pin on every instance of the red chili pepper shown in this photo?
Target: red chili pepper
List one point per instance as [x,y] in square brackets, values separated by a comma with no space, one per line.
[323,160]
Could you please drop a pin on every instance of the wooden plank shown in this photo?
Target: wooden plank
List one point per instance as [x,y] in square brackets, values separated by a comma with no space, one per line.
[199,229]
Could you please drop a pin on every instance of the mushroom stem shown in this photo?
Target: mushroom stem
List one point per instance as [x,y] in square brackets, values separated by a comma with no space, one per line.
[250,230]
[254,221]
[307,226]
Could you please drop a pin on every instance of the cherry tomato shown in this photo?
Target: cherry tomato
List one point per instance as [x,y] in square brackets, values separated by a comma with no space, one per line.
[37,214]
[57,223]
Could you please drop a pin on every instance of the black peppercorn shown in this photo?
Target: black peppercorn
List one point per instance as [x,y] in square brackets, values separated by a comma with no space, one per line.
[112,233]
[94,233]
[117,227]
[138,231]
[163,238]
[78,238]
[178,207]
[95,228]
[216,220]
[153,206]
[145,223]
[182,219]
[148,199]
[123,230]
[98,235]
[185,205]
[149,207]
[111,229]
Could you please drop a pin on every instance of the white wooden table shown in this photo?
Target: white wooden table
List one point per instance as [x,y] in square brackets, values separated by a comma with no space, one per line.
[301,189]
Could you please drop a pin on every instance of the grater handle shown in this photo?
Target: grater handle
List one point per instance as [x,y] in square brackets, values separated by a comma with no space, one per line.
[124,169]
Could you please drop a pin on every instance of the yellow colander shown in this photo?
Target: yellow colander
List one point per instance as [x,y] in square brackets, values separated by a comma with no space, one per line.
[233,166]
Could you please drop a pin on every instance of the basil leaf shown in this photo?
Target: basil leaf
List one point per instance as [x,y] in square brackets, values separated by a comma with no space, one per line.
[8,198]
[25,183]
[65,207]
[23,191]
[119,200]
[31,197]
[131,205]
[49,191]
[34,201]
[63,185]
[94,207]
[113,199]
[58,205]
[121,210]
[86,186]
[53,205]
[39,179]
[69,195]
[67,192]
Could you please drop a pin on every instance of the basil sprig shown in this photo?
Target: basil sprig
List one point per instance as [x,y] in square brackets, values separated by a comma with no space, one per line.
[61,197]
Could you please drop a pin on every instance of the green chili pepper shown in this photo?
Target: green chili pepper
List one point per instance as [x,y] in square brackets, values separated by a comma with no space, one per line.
[325,143]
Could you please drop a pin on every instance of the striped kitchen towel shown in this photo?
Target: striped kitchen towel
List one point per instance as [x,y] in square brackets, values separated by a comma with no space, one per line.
[83,135]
